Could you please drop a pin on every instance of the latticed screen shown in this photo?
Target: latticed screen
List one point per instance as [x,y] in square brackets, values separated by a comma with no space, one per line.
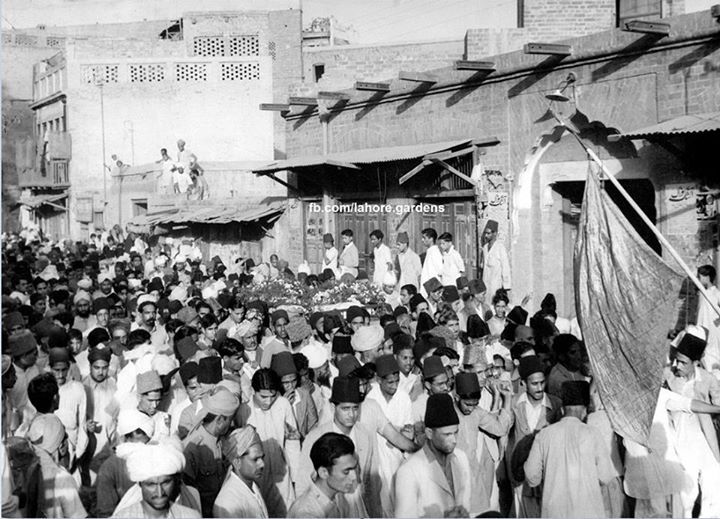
[209,46]
[99,73]
[244,46]
[191,72]
[240,71]
[147,73]
[51,41]
[272,49]
[26,40]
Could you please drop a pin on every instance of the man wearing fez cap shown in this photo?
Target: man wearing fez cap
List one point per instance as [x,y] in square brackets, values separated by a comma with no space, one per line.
[485,491]
[435,291]
[149,390]
[72,407]
[435,381]
[24,351]
[341,348]
[395,404]
[533,409]
[435,481]
[570,460]
[407,263]
[494,261]
[302,403]
[205,468]
[240,495]
[346,401]
[697,439]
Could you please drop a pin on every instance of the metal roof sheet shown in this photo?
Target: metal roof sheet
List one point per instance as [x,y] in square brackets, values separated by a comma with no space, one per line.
[212,214]
[686,124]
[362,156]
[35,201]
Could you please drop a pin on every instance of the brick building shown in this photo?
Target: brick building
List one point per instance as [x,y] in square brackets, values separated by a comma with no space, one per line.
[199,78]
[531,175]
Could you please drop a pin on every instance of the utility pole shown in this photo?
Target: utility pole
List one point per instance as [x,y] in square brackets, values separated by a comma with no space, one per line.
[100,82]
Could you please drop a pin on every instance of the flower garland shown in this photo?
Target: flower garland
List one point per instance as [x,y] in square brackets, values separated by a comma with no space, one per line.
[277,292]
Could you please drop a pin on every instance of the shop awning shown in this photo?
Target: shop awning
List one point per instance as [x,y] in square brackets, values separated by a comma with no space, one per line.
[350,159]
[684,125]
[211,214]
[35,201]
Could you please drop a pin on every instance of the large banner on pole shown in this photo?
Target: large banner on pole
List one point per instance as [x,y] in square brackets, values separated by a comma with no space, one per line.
[626,297]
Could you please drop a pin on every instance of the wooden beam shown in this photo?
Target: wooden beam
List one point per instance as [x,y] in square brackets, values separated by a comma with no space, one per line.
[647,27]
[275,107]
[303,101]
[454,171]
[340,164]
[450,193]
[481,66]
[420,77]
[414,171]
[333,96]
[282,182]
[490,141]
[445,155]
[373,87]
[553,49]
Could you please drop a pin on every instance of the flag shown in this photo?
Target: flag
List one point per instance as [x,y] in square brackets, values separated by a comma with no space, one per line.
[626,298]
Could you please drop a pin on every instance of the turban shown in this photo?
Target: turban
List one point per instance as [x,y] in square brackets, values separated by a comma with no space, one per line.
[187,315]
[130,420]
[47,432]
[104,276]
[304,268]
[100,352]
[49,272]
[232,386]
[239,442]
[245,329]
[342,344]
[386,365]
[145,299]
[467,385]
[221,402]
[209,292]
[298,329]
[440,411]
[84,284]
[81,295]
[575,392]
[150,461]
[432,367]
[316,355]
[22,343]
[345,390]
[134,283]
[529,365]
[163,364]
[367,338]
[179,293]
[148,381]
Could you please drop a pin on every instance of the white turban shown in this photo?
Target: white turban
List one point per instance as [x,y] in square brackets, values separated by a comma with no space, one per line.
[161,261]
[367,338]
[134,283]
[47,432]
[151,460]
[304,268]
[389,279]
[209,292]
[104,276]
[238,442]
[84,284]
[179,293]
[316,355]
[50,272]
[163,364]
[131,419]
[82,295]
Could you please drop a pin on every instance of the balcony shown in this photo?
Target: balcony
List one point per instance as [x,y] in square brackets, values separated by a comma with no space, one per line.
[53,175]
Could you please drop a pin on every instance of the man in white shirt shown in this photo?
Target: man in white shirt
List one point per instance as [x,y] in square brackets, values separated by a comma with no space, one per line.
[330,257]
[382,257]
[432,263]
[495,262]
[408,262]
[708,319]
[186,158]
[453,264]
[165,178]
[349,257]
[181,180]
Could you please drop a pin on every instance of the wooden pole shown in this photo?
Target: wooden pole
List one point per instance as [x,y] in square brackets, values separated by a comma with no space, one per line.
[642,216]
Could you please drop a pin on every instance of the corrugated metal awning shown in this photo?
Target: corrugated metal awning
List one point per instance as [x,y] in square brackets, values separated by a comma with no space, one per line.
[686,124]
[349,159]
[35,201]
[212,214]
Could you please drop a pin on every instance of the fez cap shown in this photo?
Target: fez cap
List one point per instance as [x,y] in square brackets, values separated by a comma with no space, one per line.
[432,284]
[345,390]
[386,365]
[210,370]
[342,344]
[529,365]
[467,385]
[575,392]
[440,411]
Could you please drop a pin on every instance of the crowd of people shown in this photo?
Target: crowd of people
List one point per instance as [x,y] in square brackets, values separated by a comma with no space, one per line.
[140,380]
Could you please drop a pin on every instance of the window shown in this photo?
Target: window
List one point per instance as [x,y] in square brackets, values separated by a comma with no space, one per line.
[139,207]
[628,10]
[319,70]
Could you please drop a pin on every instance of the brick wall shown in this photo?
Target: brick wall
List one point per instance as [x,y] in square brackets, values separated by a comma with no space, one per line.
[681,75]
[346,64]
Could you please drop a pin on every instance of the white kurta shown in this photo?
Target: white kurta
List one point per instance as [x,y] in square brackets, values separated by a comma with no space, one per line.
[453,267]
[496,268]
[330,261]
[349,260]
[236,499]
[103,408]
[410,268]
[72,412]
[382,256]
[432,268]
[710,320]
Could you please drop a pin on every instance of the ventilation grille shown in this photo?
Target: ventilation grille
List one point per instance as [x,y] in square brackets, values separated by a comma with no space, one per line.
[147,73]
[240,71]
[191,72]
[26,40]
[272,49]
[100,73]
[52,41]
[208,46]
[244,46]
